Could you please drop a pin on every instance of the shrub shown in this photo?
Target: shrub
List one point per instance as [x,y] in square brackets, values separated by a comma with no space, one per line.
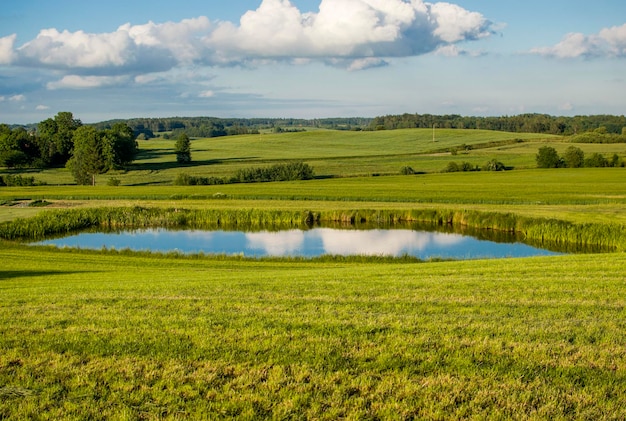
[574,157]
[452,167]
[183,179]
[547,157]
[494,165]
[406,170]
[19,181]
[466,166]
[596,160]
[114,182]
[13,159]
[279,172]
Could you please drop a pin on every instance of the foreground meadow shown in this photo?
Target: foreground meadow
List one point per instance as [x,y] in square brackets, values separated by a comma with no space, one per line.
[109,336]
[121,335]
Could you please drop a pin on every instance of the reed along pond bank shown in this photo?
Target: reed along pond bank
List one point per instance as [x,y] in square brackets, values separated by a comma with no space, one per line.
[601,236]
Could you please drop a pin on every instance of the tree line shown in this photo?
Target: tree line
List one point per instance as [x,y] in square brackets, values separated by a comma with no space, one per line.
[65,141]
[573,157]
[172,127]
[523,123]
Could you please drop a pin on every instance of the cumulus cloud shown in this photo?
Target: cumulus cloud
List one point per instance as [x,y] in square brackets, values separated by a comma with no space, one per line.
[346,29]
[7,54]
[86,82]
[610,42]
[358,34]
[206,94]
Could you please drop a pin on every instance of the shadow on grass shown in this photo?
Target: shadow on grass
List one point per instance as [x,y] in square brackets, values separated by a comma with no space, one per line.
[14,274]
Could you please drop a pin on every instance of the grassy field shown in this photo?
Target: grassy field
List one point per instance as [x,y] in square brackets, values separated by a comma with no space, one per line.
[121,335]
[94,336]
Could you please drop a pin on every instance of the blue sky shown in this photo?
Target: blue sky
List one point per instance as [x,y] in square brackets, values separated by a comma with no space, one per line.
[310,58]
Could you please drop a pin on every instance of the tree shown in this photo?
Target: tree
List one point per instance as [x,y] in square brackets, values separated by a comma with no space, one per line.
[547,157]
[183,149]
[119,146]
[574,157]
[55,138]
[596,160]
[88,158]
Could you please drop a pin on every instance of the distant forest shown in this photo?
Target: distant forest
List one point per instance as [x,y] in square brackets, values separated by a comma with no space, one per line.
[215,127]
[523,123]
[172,127]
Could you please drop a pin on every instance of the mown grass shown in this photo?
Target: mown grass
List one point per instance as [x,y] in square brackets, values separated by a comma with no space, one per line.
[92,336]
[123,335]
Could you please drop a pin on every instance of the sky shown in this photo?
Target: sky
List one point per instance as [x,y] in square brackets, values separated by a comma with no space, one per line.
[113,59]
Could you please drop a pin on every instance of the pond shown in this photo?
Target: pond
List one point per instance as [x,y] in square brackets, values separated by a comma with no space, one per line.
[306,243]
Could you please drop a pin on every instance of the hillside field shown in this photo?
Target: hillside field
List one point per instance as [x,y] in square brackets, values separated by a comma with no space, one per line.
[133,335]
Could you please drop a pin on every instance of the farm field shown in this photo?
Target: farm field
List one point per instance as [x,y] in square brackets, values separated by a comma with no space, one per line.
[123,335]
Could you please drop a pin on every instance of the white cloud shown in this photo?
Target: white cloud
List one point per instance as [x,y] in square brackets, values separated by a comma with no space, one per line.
[361,32]
[77,49]
[180,39]
[86,82]
[609,42]
[455,24]
[42,107]
[367,63]
[17,98]
[206,94]
[346,29]
[7,54]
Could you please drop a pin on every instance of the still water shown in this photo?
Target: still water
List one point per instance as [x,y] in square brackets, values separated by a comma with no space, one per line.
[305,243]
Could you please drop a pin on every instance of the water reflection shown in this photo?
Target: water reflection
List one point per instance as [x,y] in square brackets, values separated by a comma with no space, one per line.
[306,243]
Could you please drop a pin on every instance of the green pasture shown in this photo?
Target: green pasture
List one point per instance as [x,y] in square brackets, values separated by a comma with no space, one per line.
[110,336]
[577,195]
[333,154]
[329,152]
[123,335]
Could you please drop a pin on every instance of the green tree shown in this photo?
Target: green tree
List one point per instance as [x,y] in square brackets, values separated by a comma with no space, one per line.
[119,146]
[88,158]
[183,149]
[55,138]
[574,157]
[596,160]
[547,157]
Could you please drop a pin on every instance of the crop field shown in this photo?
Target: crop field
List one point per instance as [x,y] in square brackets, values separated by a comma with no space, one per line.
[135,335]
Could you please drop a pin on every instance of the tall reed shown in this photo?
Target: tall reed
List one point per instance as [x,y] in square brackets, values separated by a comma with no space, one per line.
[536,230]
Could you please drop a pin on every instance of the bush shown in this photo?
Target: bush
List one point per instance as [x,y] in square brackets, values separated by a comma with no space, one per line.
[19,181]
[574,157]
[547,157]
[190,180]
[114,182]
[13,159]
[463,166]
[452,167]
[596,160]
[407,170]
[494,165]
[279,172]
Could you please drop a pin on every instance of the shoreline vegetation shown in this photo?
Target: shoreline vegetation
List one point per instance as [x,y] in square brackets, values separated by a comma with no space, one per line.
[609,237]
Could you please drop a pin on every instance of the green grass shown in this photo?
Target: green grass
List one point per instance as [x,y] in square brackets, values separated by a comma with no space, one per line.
[122,335]
[91,336]
[336,153]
